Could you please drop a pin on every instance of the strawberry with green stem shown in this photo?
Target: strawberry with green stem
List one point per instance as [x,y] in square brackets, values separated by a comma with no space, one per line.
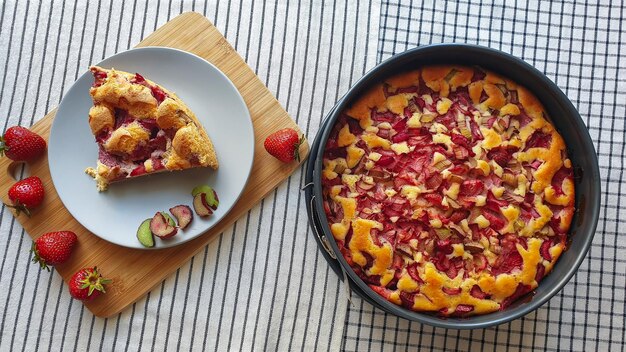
[26,194]
[284,145]
[21,144]
[87,284]
[53,248]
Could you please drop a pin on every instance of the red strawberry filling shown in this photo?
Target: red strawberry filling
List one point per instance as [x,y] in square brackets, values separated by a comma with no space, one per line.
[138,171]
[122,118]
[133,164]
[472,187]
[138,79]
[412,270]
[541,271]
[452,290]
[559,177]
[108,159]
[519,292]
[408,299]
[458,215]
[157,92]
[545,249]
[479,261]
[502,155]
[478,293]
[538,140]
[508,260]
[496,219]
[463,309]
[99,78]
[479,75]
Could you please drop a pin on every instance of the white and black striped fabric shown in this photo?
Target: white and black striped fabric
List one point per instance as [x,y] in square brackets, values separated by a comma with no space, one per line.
[262,285]
[582,48]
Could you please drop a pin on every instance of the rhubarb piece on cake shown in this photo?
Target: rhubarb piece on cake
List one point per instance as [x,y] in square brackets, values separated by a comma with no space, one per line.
[142,128]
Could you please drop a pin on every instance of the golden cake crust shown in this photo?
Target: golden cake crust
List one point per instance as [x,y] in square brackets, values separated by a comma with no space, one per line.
[100,117]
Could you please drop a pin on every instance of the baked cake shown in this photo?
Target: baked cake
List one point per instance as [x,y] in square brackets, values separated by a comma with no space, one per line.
[448,190]
[142,128]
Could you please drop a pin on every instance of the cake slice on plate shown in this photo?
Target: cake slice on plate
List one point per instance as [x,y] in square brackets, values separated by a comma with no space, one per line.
[142,128]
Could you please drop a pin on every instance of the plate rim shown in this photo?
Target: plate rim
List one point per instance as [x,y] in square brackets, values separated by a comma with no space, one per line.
[163,244]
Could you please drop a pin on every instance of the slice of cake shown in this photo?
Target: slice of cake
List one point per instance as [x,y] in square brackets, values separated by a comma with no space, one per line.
[142,128]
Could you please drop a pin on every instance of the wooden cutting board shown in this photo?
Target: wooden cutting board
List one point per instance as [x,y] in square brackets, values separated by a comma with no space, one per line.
[135,272]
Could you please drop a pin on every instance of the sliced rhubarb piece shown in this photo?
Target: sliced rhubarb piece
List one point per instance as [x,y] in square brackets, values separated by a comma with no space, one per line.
[464,309]
[507,261]
[199,205]
[201,189]
[502,155]
[138,171]
[479,261]
[444,246]
[169,219]
[452,290]
[211,199]
[545,249]
[412,270]
[541,272]
[471,187]
[478,293]
[183,215]
[144,234]
[161,227]
[458,215]
[407,299]
[538,140]
[474,247]
[520,291]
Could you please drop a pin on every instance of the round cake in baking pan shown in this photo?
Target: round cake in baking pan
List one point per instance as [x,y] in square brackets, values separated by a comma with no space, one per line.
[448,190]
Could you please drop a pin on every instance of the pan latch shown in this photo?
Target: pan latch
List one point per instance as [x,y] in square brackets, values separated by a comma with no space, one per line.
[322,238]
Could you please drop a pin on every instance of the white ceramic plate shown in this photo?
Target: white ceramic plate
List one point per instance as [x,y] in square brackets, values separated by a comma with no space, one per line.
[115,215]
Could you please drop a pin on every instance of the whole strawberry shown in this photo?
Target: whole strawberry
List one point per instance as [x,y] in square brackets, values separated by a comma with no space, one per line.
[20,144]
[284,145]
[53,248]
[87,284]
[26,194]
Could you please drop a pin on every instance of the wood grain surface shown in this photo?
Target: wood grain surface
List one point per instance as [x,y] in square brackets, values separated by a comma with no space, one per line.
[135,272]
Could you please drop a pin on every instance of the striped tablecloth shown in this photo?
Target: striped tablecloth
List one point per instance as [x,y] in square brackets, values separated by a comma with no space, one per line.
[581,47]
[263,285]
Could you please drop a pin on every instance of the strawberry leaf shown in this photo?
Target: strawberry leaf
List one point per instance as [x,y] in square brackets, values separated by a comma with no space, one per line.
[296,150]
[37,258]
